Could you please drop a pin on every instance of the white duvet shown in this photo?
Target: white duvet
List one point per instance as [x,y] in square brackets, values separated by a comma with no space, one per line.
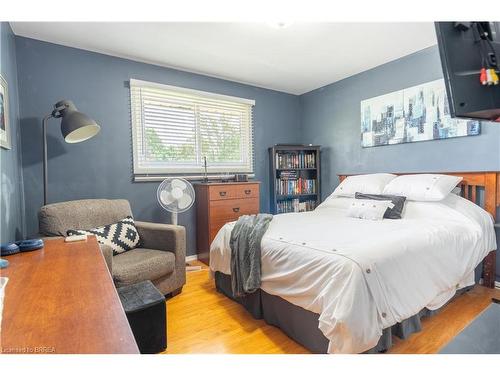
[362,276]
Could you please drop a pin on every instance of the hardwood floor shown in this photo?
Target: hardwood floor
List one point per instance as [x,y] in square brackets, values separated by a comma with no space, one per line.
[440,329]
[201,320]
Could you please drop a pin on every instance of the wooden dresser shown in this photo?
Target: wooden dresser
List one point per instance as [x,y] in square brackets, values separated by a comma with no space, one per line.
[218,203]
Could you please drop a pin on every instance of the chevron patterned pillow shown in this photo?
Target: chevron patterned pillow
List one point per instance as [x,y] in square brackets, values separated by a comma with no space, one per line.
[121,236]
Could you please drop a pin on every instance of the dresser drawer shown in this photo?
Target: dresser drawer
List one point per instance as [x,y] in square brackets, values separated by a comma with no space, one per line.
[214,229]
[230,191]
[222,192]
[247,191]
[225,213]
[232,209]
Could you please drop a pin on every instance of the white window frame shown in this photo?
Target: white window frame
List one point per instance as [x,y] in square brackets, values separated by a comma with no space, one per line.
[149,173]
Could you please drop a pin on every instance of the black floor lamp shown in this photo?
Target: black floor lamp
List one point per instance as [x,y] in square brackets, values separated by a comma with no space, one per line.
[75,127]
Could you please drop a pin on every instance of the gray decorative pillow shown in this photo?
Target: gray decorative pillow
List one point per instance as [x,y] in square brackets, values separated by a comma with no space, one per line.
[121,236]
[390,213]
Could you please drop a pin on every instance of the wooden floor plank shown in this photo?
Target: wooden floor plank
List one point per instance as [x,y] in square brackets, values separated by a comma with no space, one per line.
[201,320]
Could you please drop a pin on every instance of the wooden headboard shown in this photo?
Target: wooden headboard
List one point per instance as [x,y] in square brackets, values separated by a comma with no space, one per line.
[471,183]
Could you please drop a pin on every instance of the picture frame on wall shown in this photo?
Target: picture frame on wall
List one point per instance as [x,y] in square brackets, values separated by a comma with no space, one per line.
[414,114]
[4,115]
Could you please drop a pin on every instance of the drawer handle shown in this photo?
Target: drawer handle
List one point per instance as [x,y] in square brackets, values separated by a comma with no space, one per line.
[248,191]
[236,209]
[222,193]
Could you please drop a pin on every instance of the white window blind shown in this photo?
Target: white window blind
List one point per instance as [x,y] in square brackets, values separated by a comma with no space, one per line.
[174,128]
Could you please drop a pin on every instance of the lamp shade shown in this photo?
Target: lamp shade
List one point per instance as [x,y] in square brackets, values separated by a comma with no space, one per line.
[75,126]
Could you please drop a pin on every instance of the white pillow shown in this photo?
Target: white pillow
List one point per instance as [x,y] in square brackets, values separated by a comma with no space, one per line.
[368,209]
[364,183]
[423,187]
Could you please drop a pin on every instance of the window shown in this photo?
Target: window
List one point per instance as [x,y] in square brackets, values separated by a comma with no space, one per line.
[175,128]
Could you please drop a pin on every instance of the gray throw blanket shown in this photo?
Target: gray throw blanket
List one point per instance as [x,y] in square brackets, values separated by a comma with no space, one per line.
[246,237]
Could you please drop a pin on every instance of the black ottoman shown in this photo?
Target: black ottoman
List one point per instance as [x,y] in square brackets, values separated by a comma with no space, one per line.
[147,315]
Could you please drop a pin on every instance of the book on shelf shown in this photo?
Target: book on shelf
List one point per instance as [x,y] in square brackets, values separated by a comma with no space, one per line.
[295,160]
[295,205]
[295,186]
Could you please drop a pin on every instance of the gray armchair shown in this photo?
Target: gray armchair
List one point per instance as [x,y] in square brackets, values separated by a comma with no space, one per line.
[161,259]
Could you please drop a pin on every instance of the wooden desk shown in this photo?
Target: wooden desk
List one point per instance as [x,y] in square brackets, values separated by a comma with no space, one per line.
[62,299]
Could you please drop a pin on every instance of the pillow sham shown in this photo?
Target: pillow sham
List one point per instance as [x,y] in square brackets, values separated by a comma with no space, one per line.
[365,183]
[422,187]
[368,209]
[121,236]
[391,213]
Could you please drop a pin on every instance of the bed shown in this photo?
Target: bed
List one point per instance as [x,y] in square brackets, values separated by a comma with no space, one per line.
[341,285]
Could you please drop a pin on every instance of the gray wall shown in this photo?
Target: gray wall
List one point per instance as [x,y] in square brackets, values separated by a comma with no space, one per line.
[330,116]
[11,199]
[102,166]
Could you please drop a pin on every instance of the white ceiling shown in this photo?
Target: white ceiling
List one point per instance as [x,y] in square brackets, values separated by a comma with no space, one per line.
[295,59]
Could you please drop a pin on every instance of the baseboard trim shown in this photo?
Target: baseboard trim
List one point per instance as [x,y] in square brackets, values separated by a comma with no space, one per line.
[497,283]
[190,258]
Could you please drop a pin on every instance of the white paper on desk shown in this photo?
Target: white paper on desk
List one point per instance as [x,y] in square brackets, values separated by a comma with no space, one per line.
[3,284]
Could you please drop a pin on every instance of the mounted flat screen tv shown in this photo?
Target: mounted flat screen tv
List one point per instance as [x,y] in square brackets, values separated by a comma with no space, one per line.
[470,53]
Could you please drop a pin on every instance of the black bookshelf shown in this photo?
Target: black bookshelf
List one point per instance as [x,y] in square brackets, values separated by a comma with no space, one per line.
[294,178]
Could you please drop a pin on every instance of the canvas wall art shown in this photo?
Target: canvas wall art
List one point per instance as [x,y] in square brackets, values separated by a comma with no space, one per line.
[4,115]
[418,113]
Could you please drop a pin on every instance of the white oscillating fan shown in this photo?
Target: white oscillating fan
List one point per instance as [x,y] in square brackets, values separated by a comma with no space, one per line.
[175,195]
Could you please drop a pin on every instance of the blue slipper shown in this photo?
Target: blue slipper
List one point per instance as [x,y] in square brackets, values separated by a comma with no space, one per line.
[9,249]
[30,245]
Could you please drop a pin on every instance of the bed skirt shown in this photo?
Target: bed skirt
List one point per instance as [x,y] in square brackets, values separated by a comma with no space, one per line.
[302,325]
